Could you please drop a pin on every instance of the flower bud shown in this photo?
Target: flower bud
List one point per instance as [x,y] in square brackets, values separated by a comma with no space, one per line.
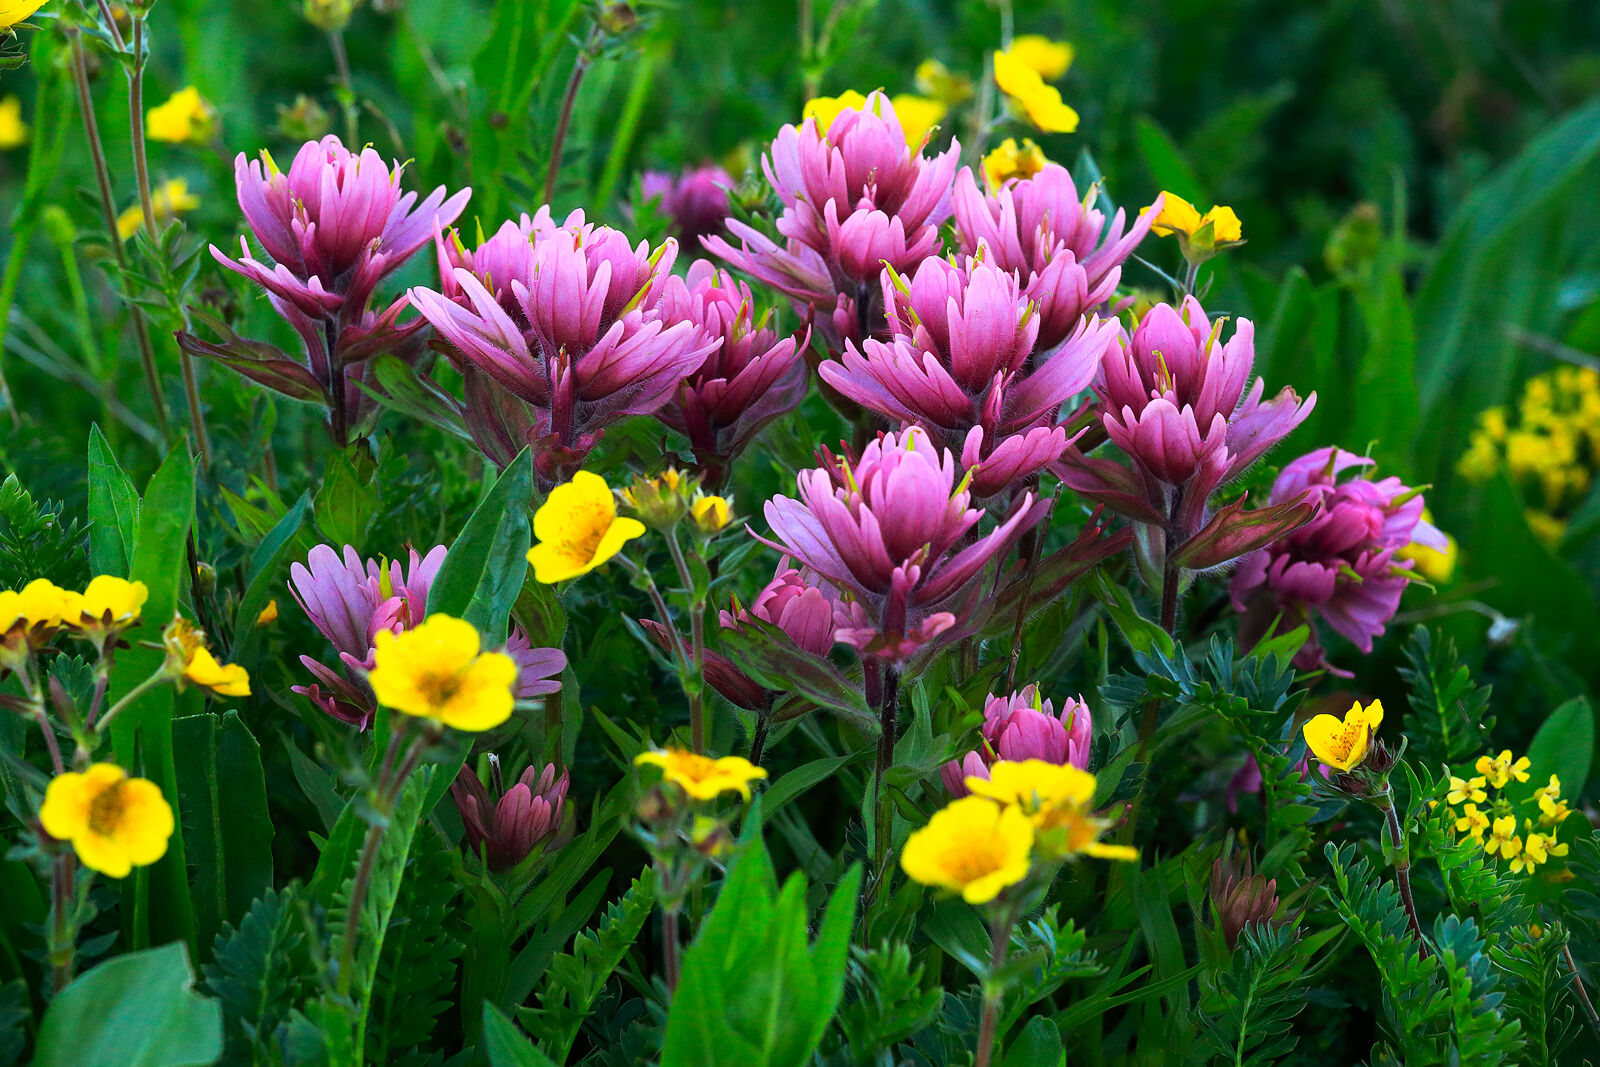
[329,16]
[305,120]
[205,579]
[661,502]
[1241,899]
[508,829]
[711,514]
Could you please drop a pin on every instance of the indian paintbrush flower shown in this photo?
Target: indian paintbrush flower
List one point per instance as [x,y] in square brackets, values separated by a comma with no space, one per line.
[1344,744]
[1023,726]
[696,201]
[963,363]
[438,670]
[919,116]
[891,532]
[1241,899]
[702,777]
[856,196]
[508,824]
[973,847]
[1342,567]
[335,225]
[578,529]
[114,823]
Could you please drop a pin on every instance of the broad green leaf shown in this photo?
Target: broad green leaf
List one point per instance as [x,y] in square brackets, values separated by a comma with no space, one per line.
[113,509]
[482,573]
[1564,746]
[345,503]
[1162,155]
[227,829]
[1039,1045]
[506,1045]
[266,564]
[135,1010]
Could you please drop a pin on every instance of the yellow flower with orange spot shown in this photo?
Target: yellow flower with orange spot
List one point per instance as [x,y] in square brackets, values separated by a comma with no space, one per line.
[578,529]
[438,671]
[702,777]
[191,662]
[115,823]
[1503,838]
[1009,161]
[1041,103]
[1344,744]
[973,847]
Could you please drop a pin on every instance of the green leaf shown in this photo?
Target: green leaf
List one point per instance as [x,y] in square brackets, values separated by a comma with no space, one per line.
[802,778]
[137,1010]
[1039,1045]
[1564,746]
[1162,155]
[345,504]
[266,563]
[482,573]
[228,830]
[506,1045]
[156,899]
[113,510]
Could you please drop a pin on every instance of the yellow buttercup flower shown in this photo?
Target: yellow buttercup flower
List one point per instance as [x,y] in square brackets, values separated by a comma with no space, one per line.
[702,777]
[269,614]
[1049,59]
[185,118]
[918,116]
[711,514]
[1473,822]
[1041,103]
[105,608]
[114,822]
[190,661]
[973,847]
[1537,850]
[168,200]
[1178,216]
[578,529]
[438,671]
[14,11]
[827,108]
[1466,789]
[13,131]
[1344,744]
[29,618]
[1501,769]
[1057,799]
[1009,161]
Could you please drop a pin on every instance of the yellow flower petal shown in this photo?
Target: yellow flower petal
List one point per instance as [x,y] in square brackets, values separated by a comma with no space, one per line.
[827,108]
[918,116]
[578,529]
[1040,102]
[114,822]
[1344,744]
[973,847]
[436,671]
[1049,59]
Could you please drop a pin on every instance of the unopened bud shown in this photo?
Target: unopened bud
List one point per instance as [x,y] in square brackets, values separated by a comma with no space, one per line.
[618,18]
[329,16]
[306,120]
[205,579]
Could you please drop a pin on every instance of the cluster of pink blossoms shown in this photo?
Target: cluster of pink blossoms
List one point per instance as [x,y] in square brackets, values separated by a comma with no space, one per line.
[1023,727]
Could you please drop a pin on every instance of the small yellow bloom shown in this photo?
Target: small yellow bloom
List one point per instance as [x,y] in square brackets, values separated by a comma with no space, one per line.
[14,11]
[29,618]
[933,78]
[827,108]
[168,200]
[186,118]
[1049,59]
[1503,838]
[437,671]
[973,847]
[660,501]
[1041,103]
[711,513]
[115,823]
[1537,850]
[702,777]
[13,131]
[1500,769]
[1466,789]
[1008,161]
[269,614]
[918,116]
[106,607]
[1056,798]
[578,529]
[190,661]
[1552,812]
[1473,822]
[1178,216]
[1344,744]
[1436,566]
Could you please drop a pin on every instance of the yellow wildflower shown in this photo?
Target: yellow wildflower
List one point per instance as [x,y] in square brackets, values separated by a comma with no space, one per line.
[1049,59]
[1436,566]
[114,822]
[934,79]
[918,116]
[702,777]
[578,529]
[1552,812]
[1056,798]
[438,671]
[973,847]
[1041,103]
[168,200]
[269,614]
[185,118]
[1344,744]
[105,608]
[191,661]
[13,131]
[1473,822]
[711,514]
[1537,850]
[14,11]
[1500,769]
[1008,161]
[30,617]
[1178,216]
[1465,789]
[827,108]
[1503,838]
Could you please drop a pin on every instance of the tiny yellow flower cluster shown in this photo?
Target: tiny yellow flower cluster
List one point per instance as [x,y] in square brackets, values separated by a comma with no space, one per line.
[1010,161]
[701,777]
[980,844]
[1494,824]
[1552,452]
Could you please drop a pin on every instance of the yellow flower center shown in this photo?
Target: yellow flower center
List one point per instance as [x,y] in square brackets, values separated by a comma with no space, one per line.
[106,810]
[969,860]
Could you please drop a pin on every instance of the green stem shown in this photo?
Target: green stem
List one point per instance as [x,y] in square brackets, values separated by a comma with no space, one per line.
[1401,858]
[63,935]
[159,677]
[993,991]
[883,811]
[580,67]
[695,690]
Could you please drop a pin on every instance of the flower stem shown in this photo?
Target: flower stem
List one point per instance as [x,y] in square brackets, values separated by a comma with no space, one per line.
[580,67]
[695,689]
[669,948]
[347,98]
[1401,854]
[63,935]
[1589,1013]
[888,730]
[97,153]
[130,696]
[50,741]
[999,944]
